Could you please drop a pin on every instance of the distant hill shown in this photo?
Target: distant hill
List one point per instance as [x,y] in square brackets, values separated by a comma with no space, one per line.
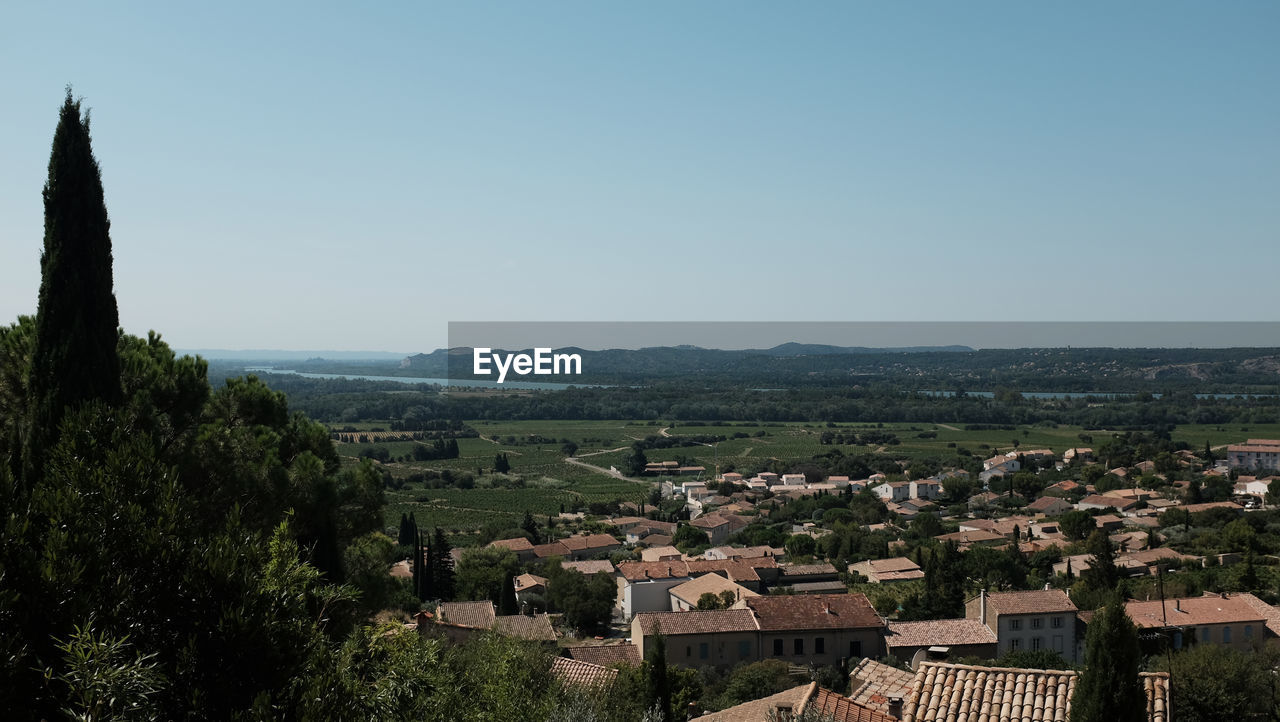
[281,355]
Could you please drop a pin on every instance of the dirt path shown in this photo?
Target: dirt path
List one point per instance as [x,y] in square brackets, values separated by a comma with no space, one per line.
[597,453]
[607,472]
[948,427]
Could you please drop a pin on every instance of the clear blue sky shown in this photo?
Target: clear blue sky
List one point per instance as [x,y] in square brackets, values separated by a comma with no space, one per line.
[305,177]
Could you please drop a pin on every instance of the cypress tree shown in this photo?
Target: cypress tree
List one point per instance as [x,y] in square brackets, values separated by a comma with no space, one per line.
[74,360]
[1109,689]
[442,566]
[508,605]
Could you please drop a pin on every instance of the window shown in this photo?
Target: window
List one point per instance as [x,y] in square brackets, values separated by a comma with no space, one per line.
[1248,631]
[1056,622]
[799,646]
[1035,643]
[688,651]
[1226,635]
[703,651]
[1037,623]
[777,647]
[1204,634]
[744,649]
[855,650]
[1015,624]
[819,646]
[1015,644]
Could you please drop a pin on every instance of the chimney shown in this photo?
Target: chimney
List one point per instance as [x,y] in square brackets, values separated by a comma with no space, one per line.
[982,605]
[895,707]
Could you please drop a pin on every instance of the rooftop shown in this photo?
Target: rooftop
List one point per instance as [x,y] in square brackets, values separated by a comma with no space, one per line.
[605,654]
[963,693]
[872,684]
[717,621]
[477,615]
[582,674]
[942,632]
[1192,611]
[1047,601]
[814,611]
[691,590]
[801,699]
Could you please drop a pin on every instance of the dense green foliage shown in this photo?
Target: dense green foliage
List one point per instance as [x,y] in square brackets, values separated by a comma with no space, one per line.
[1211,682]
[1109,689]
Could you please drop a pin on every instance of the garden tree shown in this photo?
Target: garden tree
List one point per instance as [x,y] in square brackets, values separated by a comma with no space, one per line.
[366,561]
[800,545]
[74,358]
[688,537]
[585,601]
[1109,689]
[501,464]
[943,594]
[754,681]
[1273,492]
[569,448]
[442,571]
[1102,575]
[1077,525]
[1214,682]
[482,573]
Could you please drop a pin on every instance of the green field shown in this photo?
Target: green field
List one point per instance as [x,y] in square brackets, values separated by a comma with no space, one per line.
[551,481]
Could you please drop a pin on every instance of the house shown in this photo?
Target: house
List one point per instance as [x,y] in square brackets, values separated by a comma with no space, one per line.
[523,548]
[915,642]
[647,527]
[1101,501]
[790,704]
[645,586]
[1037,455]
[926,489]
[1255,454]
[894,491]
[684,597]
[881,571]
[1063,488]
[942,692]
[1003,464]
[1050,506]
[528,585]
[459,621]
[768,477]
[715,526]
[1236,620]
[818,629]
[971,538]
[804,573]
[757,552]
[793,479]
[1255,487]
[731,477]
[1083,454]
[1030,621]
[575,548]
[660,554]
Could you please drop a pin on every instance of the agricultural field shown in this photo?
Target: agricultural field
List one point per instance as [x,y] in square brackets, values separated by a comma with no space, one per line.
[534,450]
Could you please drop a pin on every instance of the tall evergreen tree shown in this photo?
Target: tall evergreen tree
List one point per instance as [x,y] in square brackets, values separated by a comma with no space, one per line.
[658,680]
[75,359]
[442,566]
[507,604]
[1109,689]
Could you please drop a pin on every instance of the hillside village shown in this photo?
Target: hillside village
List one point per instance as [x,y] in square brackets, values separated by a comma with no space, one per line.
[890,584]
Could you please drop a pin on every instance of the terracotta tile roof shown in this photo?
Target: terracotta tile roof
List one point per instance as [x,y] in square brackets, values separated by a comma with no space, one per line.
[1101,501]
[1193,611]
[800,570]
[963,693]
[1194,508]
[476,615]
[582,674]
[536,628]
[401,570]
[939,632]
[814,611]
[895,564]
[709,622]
[1269,613]
[658,540]
[804,698]
[970,537]
[554,549]
[519,544]
[709,522]
[525,581]
[593,541]
[1050,505]
[872,684]
[606,654]
[691,590]
[590,566]
[1047,601]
